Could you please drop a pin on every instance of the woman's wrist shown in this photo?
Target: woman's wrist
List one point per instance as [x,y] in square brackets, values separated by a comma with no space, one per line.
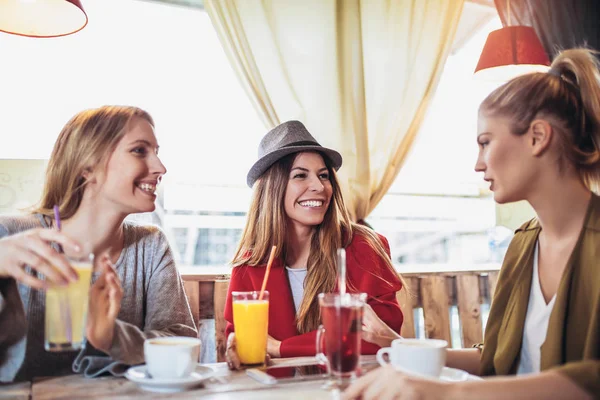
[456,391]
[101,337]
[278,350]
[103,344]
[274,348]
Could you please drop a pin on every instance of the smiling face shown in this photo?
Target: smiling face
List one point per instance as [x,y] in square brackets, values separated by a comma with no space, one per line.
[505,159]
[132,172]
[308,192]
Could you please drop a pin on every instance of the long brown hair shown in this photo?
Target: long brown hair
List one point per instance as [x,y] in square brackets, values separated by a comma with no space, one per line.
[86,141]
[266,225]
[568,97]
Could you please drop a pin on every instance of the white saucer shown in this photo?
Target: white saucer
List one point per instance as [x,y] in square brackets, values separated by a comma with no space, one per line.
[453,375]
[140,376]
[447,375]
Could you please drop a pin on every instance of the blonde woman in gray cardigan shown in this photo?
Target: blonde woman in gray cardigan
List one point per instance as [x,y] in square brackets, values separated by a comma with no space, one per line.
[104,166]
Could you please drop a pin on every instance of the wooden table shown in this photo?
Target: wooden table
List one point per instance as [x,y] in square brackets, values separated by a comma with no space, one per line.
[15,391]
[225,385]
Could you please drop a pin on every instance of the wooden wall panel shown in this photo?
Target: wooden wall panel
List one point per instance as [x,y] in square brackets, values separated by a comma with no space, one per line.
[492,280]
[408,300]
[207,300]
[434,295]
[220,296]
[192,291]
[469,309]
[435,292]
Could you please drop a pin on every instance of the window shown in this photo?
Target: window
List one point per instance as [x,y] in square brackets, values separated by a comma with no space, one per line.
[433,213]
[172,65]
[436,212]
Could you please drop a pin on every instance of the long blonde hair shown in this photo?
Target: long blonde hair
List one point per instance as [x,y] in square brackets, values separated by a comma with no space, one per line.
[568,96]
[266,225]
[86,141]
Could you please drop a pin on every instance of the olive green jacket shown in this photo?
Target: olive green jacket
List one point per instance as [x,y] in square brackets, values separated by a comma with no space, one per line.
[572,345]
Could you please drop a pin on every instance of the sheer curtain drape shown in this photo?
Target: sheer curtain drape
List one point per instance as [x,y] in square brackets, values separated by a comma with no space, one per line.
[359,74]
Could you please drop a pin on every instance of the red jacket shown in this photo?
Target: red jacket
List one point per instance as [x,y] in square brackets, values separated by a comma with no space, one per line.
[365,270]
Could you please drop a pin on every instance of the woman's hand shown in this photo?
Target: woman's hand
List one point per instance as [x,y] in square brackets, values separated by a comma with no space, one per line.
[375,330]
[273,347]
[33,248]
[232,357]
[387,383]
[104,307]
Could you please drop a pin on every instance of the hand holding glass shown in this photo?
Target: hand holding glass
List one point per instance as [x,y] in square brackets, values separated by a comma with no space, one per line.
[66,308]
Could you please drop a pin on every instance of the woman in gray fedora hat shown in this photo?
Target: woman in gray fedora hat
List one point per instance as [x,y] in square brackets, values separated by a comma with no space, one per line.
[297,205]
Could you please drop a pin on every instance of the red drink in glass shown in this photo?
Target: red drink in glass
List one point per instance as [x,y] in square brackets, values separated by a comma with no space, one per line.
[341,331]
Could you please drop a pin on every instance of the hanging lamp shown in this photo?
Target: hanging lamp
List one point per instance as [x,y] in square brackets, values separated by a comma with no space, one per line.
[42,18]
[511,51]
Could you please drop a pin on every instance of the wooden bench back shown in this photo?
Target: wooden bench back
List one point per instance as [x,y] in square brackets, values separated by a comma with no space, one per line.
[207,301]
[437,293]
[434,293]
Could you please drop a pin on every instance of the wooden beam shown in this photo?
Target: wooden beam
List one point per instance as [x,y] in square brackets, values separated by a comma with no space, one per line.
[15,391]
[492,280]
[207,300]
[408,300]
[213,273]
[220,297]
[434,294]
[192,291]
[469,309]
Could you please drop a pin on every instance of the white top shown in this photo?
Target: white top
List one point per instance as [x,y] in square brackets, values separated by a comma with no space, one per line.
[296,277]
[536,323]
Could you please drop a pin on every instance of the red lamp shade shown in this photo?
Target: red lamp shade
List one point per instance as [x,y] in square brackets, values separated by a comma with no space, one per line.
[42,18]
[511,51]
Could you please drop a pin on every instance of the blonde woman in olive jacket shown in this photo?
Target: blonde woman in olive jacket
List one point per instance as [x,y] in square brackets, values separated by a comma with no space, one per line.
[539,138]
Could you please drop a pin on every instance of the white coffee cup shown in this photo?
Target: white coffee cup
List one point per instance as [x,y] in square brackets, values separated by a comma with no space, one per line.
[425,357]
[171,357]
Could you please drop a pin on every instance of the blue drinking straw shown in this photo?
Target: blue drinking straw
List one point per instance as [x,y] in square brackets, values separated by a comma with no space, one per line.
[57,221]
[57,217]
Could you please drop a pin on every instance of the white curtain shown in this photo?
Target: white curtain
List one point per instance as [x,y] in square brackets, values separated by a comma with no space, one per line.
[359,74]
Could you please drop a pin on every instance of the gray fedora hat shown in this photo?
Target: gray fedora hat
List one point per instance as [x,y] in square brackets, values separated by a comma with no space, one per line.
[287,138]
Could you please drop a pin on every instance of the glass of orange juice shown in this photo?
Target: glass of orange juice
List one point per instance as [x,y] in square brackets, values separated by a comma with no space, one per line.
[67,307]
[251,322]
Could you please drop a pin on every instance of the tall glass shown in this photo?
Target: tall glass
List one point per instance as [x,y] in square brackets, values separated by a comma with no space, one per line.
[251,322]
[67,307]
[342,333]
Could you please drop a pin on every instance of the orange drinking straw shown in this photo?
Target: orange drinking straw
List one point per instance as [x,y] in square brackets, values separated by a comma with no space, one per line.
[269,263]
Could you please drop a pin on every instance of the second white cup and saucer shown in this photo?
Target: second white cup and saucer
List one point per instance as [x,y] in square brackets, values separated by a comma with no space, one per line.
[425,358]
[171,365]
